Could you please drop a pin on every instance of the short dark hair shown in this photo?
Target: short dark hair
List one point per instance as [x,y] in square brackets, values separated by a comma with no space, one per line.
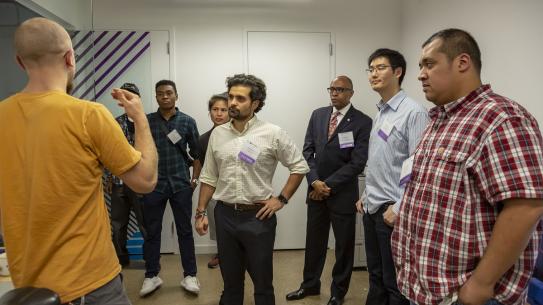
[258,87]
[395,58]
[131,88]
[166,82]
[455,42]
[215,98]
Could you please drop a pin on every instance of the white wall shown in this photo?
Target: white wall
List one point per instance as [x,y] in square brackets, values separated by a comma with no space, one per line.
[508,33]
[209,39]
[208,42]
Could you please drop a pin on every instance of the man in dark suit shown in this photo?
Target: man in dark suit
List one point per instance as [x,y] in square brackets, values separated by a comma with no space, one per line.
[336,149]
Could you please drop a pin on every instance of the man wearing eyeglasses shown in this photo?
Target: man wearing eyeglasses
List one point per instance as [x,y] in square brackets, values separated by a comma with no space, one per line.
[173,131]
[399,124]
[336,149]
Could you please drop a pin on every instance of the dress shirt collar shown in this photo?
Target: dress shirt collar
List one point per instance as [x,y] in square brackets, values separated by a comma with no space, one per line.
[451,108]
[173,116]
[343,111]
[394,102]
[249,124]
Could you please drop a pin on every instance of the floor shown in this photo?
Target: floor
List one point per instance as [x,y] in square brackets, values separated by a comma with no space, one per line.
[288,266]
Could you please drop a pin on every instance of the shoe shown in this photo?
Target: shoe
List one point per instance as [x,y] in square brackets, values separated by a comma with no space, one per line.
[150,285]
[335,301]
[214,262]
[302,293]
[191,284]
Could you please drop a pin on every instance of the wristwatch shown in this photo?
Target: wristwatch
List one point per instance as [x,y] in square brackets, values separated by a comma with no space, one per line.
[282,199]
[195,181]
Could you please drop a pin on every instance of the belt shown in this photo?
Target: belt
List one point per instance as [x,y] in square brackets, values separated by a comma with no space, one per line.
[242,206]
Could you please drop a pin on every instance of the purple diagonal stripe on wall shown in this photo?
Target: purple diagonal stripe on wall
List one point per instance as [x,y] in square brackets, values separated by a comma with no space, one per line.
[102,63]
[83,40]
[80,70]
[93,44]
[128,64]
[128,50]
[115,50]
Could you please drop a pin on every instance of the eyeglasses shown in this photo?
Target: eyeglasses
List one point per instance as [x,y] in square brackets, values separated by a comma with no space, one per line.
[379,68]
[338,89]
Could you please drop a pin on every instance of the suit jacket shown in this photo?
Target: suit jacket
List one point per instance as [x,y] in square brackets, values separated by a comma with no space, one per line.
[337,167]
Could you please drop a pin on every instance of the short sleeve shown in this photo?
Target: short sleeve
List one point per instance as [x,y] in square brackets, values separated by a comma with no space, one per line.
[509,164]
[108,141]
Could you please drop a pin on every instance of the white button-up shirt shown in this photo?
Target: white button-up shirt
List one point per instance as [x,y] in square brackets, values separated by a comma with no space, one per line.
[237,181]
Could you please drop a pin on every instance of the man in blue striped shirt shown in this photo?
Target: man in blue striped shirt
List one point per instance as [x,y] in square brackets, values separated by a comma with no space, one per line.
[397,129]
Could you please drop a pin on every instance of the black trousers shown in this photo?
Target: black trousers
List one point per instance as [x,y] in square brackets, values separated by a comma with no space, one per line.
[382,275]
[319,218]
[123,199]
[245,243]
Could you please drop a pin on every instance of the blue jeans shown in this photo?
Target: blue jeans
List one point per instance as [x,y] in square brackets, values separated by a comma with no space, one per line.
[490,302]
[153,210]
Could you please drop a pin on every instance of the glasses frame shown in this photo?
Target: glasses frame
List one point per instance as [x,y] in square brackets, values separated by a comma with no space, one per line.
[338,90]
[378,68]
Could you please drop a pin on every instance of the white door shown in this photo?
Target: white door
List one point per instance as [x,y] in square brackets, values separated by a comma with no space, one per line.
[297,68]
[108,58]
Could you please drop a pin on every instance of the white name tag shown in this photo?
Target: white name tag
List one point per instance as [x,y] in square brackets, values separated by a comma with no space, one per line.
[346,139]
[249,152]
[385,130]
[174,136]
[407,167]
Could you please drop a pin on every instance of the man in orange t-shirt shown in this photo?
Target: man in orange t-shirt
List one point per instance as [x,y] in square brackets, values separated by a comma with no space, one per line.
[54,148]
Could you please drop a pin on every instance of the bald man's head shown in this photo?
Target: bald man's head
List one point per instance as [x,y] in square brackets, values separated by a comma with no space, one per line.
[345,78]
[41,41]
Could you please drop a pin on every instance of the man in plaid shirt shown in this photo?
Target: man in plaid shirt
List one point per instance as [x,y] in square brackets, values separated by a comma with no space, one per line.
[173,132]
[469,222]
[124,199]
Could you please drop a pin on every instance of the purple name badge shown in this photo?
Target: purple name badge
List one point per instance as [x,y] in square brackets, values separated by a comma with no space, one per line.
[246,158]
[346,145]
[405,179]
[383,135]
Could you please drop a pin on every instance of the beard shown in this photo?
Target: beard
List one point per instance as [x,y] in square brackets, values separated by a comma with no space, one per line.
[69,87]
[238,115]
[234,113]
[70,83]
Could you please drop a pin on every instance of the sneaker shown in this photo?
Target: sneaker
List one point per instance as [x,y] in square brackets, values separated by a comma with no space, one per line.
[214,262]
[150,285]
[191,284]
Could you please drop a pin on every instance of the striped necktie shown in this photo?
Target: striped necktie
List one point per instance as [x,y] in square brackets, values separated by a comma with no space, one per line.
[333,124]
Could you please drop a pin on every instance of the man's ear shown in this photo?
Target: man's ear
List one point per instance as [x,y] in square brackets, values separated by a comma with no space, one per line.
[463,62]
[69,58]
[398,72]
[255,104]
[20,62]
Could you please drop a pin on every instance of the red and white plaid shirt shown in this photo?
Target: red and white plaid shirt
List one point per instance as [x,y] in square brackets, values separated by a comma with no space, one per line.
[476,152]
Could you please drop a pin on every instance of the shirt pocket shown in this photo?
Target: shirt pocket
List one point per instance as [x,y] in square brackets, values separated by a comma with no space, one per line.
[397,140]
[449,170]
